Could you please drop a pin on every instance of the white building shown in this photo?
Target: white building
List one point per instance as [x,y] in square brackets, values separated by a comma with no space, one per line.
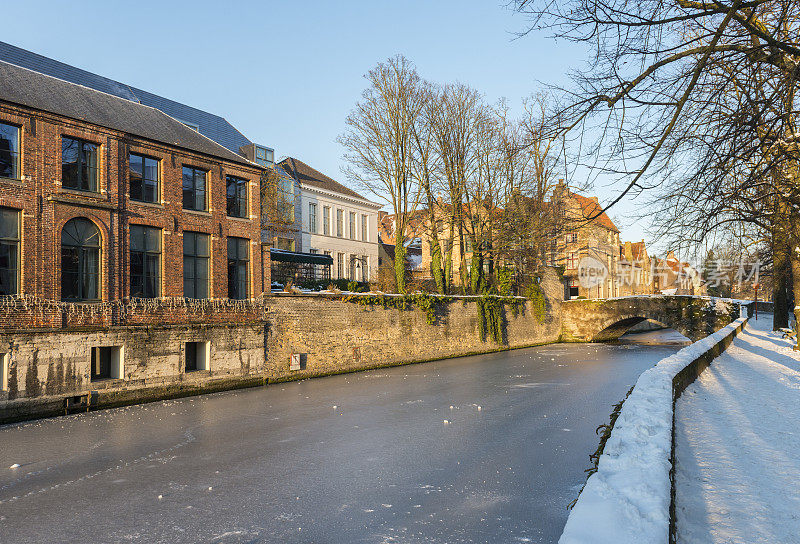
[336,221]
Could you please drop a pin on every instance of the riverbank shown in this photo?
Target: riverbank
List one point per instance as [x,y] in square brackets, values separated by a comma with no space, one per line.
[738,444]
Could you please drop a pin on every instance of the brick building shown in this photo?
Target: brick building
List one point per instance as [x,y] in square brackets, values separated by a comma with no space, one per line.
[103,199]
[588,233]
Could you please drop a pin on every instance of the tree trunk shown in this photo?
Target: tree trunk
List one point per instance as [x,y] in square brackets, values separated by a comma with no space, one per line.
[400,263]
[448,257]
[794,258]
[781,273]
[436,265]
[436,249]
[476,270]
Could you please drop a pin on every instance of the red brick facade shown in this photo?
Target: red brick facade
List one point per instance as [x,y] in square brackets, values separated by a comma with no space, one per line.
[46,206]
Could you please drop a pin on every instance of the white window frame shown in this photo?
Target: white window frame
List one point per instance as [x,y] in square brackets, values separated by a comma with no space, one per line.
[312,227]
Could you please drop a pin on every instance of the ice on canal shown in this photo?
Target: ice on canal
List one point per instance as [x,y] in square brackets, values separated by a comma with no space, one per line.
[489,448]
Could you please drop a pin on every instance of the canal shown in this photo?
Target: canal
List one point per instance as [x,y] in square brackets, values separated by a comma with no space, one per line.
[490,448]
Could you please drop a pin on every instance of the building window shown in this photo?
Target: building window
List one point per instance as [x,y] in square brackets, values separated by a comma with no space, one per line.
[312,217]
[4,358]
[195,265]
[194,189]
[9,151]
[145,262]
[364,226]
[313,251]
[572,260]
[339,223]
[264,156]
[364,268]
[238,264]
[326,220]
[340,265]
[80,260]
[285,244]
[286,200]
[144,178]
[353,225]
[353,261]
[9,251]
[197,356]
[107,363]
[236,191]
[78,165]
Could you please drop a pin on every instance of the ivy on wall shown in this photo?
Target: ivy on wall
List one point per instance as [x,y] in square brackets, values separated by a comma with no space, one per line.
[430,305]
[538,301]
[491,309]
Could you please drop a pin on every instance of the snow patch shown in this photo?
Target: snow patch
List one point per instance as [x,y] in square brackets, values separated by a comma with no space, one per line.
[627,500]
[736,445]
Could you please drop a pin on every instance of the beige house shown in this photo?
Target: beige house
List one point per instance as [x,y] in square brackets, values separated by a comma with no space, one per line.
[671,276]
[634,270]
[584,237]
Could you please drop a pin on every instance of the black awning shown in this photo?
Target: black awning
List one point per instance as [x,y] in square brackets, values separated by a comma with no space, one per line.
[284,256]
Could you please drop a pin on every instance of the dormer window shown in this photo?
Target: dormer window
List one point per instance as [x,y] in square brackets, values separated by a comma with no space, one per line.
[265,156]
[194,126]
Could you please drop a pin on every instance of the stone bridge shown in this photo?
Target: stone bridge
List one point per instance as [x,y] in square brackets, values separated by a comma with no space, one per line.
[607,319]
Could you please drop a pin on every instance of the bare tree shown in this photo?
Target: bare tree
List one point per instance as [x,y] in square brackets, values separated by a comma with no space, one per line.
[533,222]
[695,98]
[379,144]
[427,171]
[454,118]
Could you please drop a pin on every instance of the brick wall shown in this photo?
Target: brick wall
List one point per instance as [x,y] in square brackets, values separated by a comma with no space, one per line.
[46,206]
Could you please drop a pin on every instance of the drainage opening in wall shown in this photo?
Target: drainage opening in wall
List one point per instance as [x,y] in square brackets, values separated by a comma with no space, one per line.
[4,359]
[197,356]
[107,363]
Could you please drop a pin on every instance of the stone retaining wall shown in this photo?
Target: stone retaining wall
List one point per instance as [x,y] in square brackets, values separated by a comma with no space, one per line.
[333,336]
[48,371]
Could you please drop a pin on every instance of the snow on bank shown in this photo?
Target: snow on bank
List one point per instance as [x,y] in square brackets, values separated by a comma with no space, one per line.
[627,500]
[737,444]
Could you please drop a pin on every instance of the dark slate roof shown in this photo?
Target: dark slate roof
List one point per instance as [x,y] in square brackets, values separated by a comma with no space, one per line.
[305,174]
[45,93]
[210,125]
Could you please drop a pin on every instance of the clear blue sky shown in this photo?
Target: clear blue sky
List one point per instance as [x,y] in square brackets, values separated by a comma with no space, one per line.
[287,73]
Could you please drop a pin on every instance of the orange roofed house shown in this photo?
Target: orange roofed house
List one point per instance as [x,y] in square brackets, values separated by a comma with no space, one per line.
[597,238]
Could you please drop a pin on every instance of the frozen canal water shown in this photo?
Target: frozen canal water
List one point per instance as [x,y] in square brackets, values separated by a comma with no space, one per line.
[354,458]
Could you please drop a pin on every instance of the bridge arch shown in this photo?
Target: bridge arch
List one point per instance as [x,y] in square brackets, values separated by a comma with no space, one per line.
[614,327]
[608,319]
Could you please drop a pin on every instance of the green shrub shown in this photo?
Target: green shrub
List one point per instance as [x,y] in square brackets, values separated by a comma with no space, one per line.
[505,281]
[340,284]
[538,301]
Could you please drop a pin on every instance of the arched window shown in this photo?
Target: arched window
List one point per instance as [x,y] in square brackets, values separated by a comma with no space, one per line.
[80,260]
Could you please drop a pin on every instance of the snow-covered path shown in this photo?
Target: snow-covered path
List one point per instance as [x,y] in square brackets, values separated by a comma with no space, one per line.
[738,444]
